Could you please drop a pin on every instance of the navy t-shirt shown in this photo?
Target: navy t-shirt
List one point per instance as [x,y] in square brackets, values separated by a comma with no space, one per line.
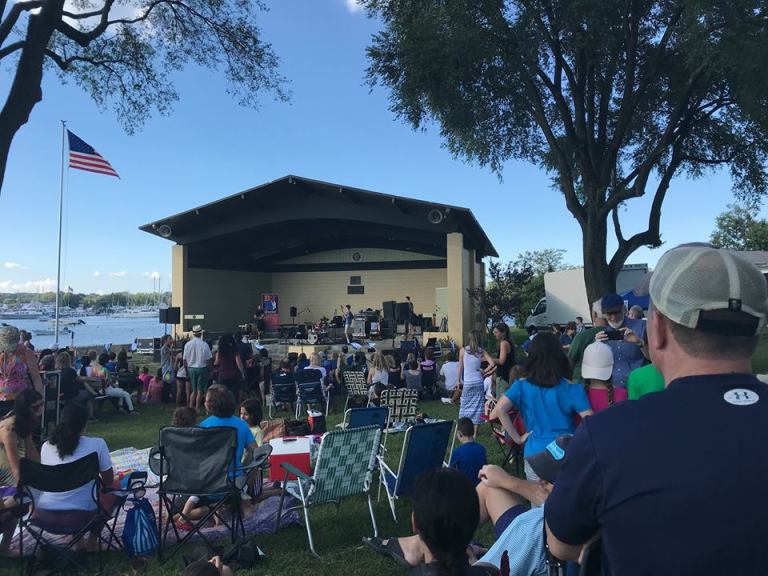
[677,482]
[469,458]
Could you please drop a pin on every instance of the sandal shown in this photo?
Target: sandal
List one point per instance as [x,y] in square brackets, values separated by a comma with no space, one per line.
[391,549]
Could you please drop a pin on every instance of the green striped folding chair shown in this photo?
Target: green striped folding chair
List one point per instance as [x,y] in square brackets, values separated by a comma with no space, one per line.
[345,465]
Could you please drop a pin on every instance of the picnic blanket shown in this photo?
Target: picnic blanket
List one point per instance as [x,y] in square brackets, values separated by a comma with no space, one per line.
[127,460]
[260,521]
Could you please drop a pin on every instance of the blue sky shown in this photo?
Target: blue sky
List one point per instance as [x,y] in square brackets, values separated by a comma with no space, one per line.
[334,128]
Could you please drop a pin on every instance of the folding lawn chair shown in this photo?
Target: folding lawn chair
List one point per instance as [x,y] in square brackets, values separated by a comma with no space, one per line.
[283,391]
[310,388]
[511,451]
[345,465]
[371,416]
[200,462]
[35,478]
[424,447]
[356,385]
[403,404]
[429,381]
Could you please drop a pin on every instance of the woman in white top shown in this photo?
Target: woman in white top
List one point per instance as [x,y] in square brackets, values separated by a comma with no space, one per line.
[378,376]
[471,378]
[67,444]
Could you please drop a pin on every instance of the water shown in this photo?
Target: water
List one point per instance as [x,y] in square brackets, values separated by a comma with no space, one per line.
[97,331]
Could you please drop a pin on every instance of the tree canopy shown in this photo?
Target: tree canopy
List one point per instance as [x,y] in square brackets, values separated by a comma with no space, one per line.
[123,53]
[613,98]
[738,229]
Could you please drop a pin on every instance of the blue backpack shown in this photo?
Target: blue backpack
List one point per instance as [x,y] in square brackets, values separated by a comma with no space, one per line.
[140,530]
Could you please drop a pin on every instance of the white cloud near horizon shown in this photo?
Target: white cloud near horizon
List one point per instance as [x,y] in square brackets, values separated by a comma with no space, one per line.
[154,275]
[353,6]
[12,265]
[45,285]
[121,274]
[96,273]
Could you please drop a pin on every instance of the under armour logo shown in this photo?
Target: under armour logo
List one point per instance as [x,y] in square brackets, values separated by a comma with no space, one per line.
[741,397]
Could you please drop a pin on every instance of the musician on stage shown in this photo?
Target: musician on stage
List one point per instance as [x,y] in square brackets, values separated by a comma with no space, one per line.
[409,319]
[258,317]
[348,317]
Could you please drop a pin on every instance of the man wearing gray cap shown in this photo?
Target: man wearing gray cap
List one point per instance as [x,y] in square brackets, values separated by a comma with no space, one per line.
[675,483]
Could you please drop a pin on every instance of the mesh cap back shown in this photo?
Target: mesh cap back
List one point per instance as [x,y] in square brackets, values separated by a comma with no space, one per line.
[691,280]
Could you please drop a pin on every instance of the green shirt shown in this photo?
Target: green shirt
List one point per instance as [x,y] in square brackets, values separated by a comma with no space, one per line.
[643,381]
[579,344]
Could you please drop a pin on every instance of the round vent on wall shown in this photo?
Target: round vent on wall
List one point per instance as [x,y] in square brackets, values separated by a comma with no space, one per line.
[435,216]
[164,230]
[356,256]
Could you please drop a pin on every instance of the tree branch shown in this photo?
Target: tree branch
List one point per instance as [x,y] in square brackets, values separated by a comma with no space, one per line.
[673,130]
[85,38]
[11,48]
[632,98]
[13,15]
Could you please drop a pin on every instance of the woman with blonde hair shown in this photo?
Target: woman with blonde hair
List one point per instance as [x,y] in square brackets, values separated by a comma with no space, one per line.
[378,376]
[471,378]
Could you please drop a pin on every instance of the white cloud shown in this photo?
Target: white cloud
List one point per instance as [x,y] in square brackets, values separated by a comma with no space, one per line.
[96,273]
[121,274]
[12,265]
[353,6]
[46,285]
[154,275]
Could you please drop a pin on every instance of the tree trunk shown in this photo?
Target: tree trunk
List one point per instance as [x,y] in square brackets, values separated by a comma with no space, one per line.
[598,276]
[26,90]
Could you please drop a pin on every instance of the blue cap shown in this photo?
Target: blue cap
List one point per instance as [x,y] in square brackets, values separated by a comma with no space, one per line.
[612,303]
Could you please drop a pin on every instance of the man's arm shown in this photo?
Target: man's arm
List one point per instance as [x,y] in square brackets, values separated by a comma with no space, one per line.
[561,550]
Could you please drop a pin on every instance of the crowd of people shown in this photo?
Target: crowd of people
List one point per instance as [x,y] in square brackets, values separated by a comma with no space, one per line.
[642,434]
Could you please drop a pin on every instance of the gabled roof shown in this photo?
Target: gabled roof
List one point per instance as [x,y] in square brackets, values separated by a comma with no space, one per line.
[293,216]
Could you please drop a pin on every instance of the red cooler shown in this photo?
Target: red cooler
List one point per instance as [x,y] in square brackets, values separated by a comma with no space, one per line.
[293,450]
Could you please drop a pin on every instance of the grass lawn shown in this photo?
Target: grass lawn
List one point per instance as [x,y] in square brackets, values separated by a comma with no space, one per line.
[337,532]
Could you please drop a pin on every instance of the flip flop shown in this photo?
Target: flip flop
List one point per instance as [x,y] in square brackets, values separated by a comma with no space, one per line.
[391,549]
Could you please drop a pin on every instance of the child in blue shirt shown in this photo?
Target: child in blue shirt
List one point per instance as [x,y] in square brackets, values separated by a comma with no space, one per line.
[469,457]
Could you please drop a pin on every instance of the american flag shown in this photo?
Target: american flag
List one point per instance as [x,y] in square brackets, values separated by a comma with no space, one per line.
[83,157]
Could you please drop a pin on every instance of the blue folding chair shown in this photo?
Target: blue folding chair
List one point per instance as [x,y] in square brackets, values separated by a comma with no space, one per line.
[372,416]
[283,391]
[424,447]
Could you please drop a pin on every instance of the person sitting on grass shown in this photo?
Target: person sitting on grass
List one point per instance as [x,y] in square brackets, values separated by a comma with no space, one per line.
[111,388]
[446,512]
[184,417]
[470,456]
[73,387]
[252,414]
[212,567]
[220,404]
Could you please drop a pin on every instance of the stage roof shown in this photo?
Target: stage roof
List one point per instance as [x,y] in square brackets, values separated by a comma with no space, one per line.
[258,228]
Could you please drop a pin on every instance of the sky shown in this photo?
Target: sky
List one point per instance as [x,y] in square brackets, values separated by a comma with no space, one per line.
[334,128]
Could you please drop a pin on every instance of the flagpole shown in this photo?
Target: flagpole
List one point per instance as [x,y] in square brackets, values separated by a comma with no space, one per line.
[61,209]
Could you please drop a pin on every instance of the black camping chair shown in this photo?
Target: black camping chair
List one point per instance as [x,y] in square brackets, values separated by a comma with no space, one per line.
[591,561]
[429,381]
[310,387]
[35,478]
[283,388]
[201,462]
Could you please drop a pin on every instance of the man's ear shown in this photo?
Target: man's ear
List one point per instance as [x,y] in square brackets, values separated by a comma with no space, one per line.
[658,337]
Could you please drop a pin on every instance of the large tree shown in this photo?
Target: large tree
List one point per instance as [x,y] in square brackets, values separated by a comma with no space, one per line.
[738,229]
[123,53]
[613,98]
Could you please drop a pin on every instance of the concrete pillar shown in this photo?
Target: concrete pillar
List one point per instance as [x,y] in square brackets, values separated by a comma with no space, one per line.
[459,280]
[179,266]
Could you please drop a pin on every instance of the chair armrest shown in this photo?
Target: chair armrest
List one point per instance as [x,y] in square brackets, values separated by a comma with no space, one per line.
[290,468]
[384,465]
